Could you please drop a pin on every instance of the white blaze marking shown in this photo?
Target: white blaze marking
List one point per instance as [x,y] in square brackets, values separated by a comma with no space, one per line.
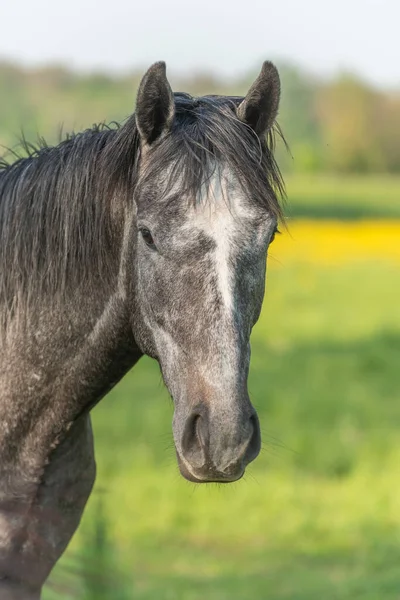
[217,218]
[223,215]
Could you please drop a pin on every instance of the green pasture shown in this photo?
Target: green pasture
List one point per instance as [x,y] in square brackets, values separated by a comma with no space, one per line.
[346,197]
[318,514]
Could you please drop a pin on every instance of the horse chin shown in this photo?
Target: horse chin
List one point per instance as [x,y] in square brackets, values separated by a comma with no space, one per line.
[207,475]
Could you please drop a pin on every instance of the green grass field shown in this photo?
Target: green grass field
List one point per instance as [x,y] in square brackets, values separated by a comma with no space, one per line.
[318,514]
[343,196]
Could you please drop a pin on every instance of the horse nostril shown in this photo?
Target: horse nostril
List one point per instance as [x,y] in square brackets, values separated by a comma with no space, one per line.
[194,439]
[254,446]
[199,431]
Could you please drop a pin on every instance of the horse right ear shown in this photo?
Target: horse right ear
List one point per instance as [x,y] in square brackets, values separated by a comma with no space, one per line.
[260,107]
[155,108]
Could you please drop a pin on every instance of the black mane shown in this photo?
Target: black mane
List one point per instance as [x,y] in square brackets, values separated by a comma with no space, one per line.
[55,218]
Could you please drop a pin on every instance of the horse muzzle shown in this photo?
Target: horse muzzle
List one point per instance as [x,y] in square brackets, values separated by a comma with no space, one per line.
[216,447]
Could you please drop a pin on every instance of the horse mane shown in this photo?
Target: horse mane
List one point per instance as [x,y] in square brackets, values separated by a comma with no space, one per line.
[55,219]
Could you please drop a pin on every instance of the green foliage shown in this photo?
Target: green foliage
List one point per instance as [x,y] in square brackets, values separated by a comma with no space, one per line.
[345,197]
[342,125]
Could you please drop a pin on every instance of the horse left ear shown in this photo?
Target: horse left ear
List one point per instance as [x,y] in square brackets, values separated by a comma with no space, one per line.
[260,107]
[155,106]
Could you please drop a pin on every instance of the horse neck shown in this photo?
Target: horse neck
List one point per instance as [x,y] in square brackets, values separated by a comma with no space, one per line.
[69,353]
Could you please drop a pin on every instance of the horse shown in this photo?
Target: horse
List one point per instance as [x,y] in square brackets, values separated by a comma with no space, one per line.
[144,238]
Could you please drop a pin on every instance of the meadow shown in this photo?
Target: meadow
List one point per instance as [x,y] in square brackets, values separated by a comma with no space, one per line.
[318,513]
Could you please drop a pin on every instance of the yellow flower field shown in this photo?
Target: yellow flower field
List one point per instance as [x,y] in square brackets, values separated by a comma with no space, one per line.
[334,243]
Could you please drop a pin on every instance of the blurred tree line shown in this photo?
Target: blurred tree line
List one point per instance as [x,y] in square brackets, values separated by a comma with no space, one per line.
[341,125]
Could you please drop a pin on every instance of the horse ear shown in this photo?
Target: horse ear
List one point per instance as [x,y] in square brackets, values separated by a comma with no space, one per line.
[260,107]
[155,104]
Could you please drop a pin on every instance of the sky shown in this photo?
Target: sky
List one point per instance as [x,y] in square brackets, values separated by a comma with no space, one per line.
[225,37]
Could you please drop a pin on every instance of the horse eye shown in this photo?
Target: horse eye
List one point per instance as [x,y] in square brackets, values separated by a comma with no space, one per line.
[273,235]
[148,238]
